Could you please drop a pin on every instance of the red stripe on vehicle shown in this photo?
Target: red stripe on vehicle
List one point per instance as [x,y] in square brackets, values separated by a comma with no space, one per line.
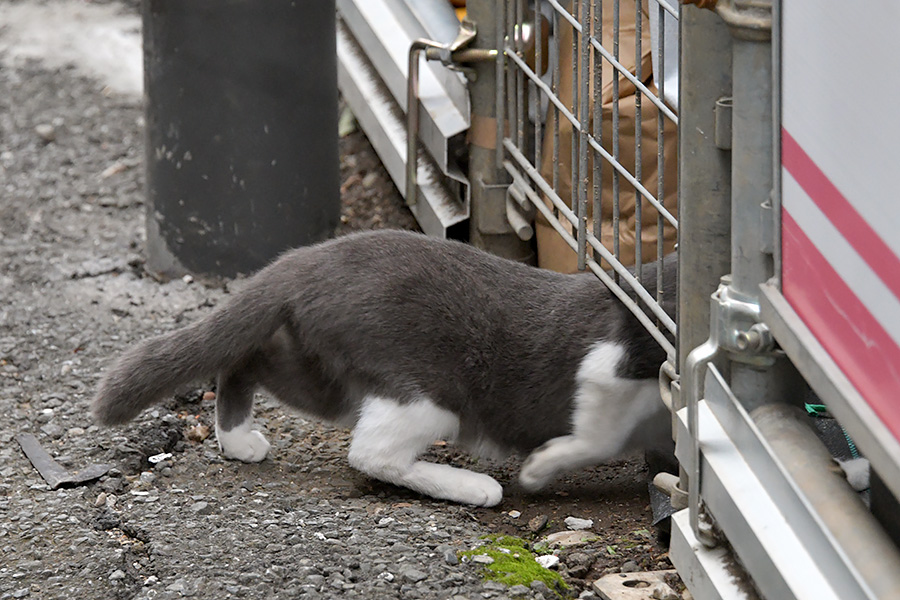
[856,341]
[867,243]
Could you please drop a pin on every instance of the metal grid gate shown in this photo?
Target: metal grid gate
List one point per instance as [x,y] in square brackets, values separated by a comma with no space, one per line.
[589,136]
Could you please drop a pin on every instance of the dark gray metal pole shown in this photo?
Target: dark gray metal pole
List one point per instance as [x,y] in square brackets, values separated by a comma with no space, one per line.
[241,143]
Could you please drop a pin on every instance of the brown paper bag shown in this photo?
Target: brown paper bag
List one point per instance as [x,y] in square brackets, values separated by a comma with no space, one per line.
[553,252]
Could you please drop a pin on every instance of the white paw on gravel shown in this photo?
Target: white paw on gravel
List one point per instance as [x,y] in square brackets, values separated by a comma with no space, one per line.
[242,444]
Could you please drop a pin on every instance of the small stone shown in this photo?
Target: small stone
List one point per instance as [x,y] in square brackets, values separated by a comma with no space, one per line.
[482,559]
[75,431]
[412,575]
[578,571]
[46,132]
[101,499]
[448,554]
[53,431]
[494,586]
[147,477]
[576,524]
[548,561]
[518,590]
[387,576]
[514,514]
[22,593]
[565,539]
[201,508]
[188,279]
[116,575]
[370,179]
[540,587]
[630,567]
[157,458]
[346,122]
[209,395]
[537,523]
[197,433]
[579,558]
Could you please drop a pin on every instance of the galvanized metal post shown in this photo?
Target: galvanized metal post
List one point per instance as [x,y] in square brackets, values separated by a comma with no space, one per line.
[757,375]
[704,211]
[241,106]
[757,378]
[704,173]
[489,228]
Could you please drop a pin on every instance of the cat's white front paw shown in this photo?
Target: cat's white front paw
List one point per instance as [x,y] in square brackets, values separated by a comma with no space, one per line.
[542,466]
[535,474]
[450,483]
[481,491]
[244,444]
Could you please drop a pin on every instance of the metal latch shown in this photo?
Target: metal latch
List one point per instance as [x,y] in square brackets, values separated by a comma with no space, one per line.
[454,55]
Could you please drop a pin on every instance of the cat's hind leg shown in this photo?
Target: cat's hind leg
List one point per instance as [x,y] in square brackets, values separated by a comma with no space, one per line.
[389,437]
[234,416]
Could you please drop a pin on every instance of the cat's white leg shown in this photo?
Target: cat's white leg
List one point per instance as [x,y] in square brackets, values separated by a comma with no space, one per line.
[608,411]
[234,417]
[242,443]
[388,438]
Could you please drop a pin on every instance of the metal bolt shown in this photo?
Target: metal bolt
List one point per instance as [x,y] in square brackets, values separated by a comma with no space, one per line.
[756,339]
[747,339]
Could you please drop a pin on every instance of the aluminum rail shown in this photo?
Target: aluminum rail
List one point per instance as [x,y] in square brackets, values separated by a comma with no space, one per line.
[440,207]
[385,30]
[790,517]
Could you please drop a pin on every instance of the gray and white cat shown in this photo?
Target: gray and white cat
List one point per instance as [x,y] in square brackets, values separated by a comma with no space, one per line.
[407,340]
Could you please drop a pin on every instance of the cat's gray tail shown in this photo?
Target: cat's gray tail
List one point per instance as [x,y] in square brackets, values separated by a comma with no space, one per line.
[147,373]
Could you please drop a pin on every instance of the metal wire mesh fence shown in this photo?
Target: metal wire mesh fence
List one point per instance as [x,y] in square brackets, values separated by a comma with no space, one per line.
[588,95]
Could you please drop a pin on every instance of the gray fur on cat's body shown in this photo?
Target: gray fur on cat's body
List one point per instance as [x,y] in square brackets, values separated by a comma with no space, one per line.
[396,315]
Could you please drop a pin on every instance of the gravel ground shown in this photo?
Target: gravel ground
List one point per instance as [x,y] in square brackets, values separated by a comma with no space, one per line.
[300,524]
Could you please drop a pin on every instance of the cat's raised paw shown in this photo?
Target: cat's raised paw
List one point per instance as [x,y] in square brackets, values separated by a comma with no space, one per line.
[544,464]
[535,474]
[243,444]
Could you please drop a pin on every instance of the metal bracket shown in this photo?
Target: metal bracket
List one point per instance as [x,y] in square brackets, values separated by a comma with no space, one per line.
[740,332]
[747,19]
[53,473]
[454,55]
[737,330]
[723,123]
[494,195]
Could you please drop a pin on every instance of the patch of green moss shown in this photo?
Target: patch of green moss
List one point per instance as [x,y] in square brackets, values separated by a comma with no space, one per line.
[514,563]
